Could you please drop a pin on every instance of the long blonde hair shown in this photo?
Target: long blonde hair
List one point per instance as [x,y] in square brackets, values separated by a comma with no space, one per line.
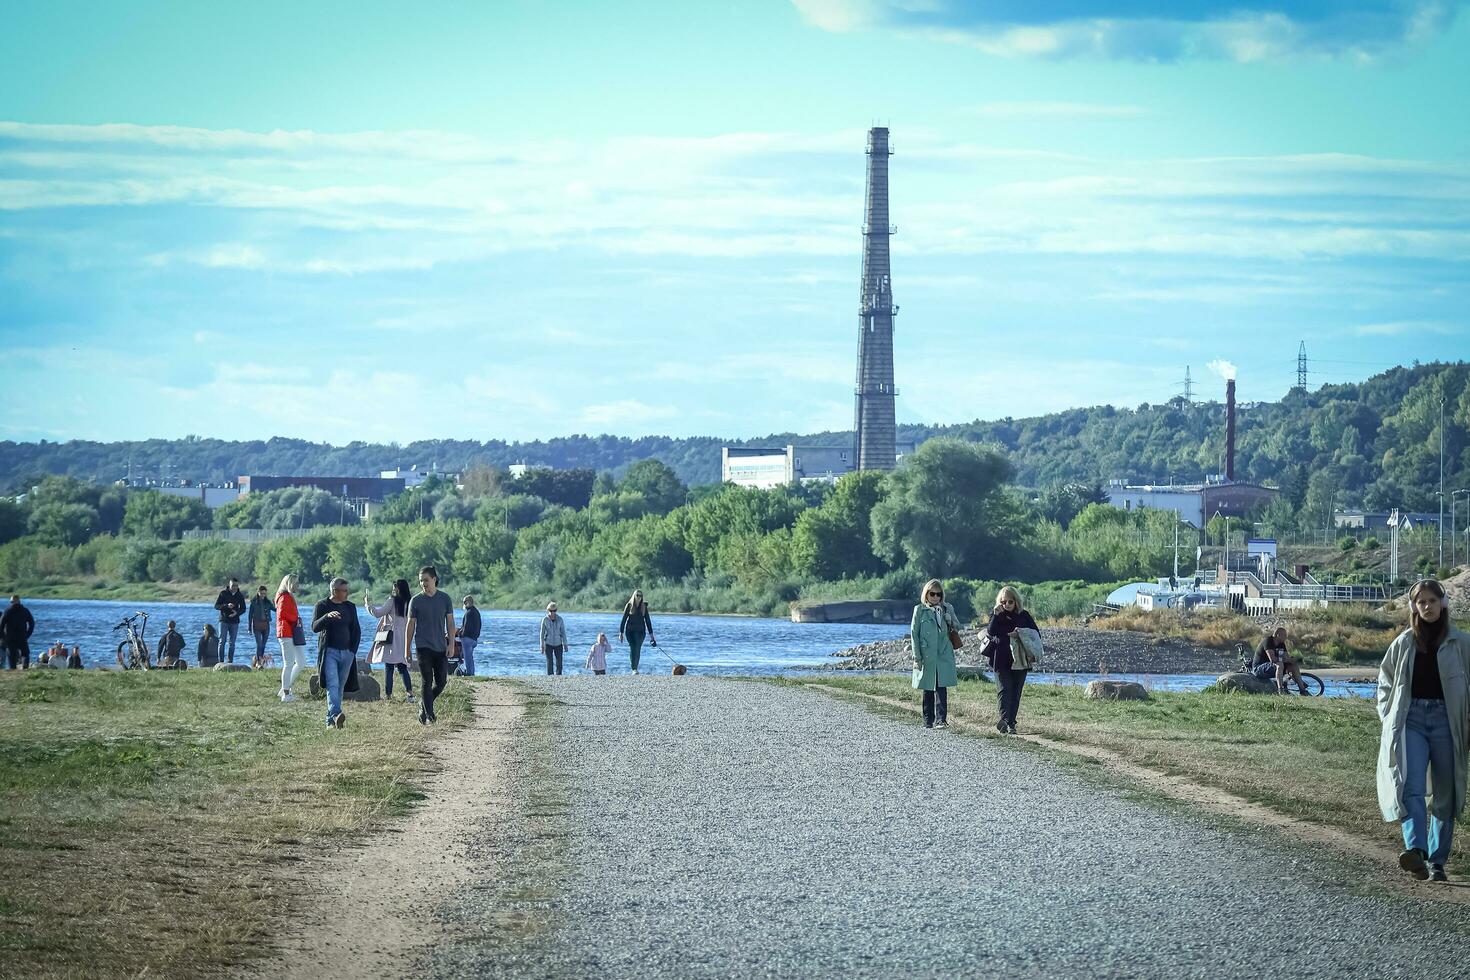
[288,584]
[933,583]
[1008,592]
[635,602]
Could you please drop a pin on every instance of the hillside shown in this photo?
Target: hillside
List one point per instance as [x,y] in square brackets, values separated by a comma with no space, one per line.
[1373,444]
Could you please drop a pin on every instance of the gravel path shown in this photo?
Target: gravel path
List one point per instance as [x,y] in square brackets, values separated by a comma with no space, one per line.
[696,827]
[1068,650]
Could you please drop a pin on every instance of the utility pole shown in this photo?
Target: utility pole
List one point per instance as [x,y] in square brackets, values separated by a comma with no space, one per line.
[1441,481]
[1188,385]
[1301,365]
[1393,545]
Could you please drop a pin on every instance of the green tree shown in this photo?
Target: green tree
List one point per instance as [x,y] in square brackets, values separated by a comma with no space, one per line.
[944,511]
[12,520]
[62,524]
[650,549]
[835,540]
[151,514]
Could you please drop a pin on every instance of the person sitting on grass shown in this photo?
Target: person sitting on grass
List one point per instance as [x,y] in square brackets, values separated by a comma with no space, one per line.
[170,646]
[208,650]
[74,659]
[1273,662]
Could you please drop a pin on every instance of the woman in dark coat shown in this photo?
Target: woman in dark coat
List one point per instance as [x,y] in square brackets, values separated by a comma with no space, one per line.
[635,626]
[1007,617]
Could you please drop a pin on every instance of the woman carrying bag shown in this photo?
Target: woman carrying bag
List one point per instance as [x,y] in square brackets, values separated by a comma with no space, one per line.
[1007,619]
[1423,700]
[391,638]
[933,631]
[291,634]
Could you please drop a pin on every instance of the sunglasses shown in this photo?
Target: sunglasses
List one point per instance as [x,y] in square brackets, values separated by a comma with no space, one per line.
[932,592]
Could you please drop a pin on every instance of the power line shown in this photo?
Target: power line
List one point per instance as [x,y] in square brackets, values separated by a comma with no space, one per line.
[1187,385]
[1301,365]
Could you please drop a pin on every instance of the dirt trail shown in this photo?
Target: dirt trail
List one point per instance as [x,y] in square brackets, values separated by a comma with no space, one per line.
[376,906]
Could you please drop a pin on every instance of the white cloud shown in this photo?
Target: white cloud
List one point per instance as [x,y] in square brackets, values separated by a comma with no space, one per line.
[1237,30]
[1056,110]
[1406,328]
[626,412]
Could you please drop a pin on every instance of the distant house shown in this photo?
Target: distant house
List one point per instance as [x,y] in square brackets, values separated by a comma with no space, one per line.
[1378,520]
[1195,503]
[357,488]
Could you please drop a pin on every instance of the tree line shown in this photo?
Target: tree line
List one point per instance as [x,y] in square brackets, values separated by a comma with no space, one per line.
[1373,444]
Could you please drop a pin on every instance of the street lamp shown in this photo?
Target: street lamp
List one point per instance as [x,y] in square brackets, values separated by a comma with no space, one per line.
[1453,495]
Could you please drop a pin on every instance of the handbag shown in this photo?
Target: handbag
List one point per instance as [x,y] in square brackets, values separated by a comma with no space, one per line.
[955,639]
[298,634]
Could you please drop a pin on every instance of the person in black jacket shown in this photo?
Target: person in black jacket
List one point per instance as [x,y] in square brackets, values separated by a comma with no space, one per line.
[635,625]
[469,636]
[338,632]
[16,626]
[171,646]
[231,606]
[1007,617]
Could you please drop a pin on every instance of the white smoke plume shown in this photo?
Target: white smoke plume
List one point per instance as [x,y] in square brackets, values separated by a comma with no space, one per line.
[1224,369]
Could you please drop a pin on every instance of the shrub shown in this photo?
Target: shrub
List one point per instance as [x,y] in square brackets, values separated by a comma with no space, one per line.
[1370,542]
[1347,542]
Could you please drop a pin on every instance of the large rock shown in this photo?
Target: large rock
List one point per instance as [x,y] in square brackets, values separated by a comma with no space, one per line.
[368,688]
[1115,691]
[1247,683]
[232,668]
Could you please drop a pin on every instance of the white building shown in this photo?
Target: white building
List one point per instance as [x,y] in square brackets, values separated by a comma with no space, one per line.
[411,477]
[766,467]
[211,497]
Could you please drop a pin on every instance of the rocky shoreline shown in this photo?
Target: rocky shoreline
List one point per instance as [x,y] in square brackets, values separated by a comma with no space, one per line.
[1068,650]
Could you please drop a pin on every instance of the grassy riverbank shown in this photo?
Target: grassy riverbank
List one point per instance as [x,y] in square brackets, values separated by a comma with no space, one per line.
[104,589]
[1341,634]
[1312,759]
[144,817]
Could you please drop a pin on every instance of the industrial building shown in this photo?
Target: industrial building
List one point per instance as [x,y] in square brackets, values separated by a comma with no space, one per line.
[211,497]
[1196,503]
[774,466]
[365,488]
[874,424]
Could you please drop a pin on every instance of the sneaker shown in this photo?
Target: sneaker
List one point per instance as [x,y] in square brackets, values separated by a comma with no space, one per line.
[423,718]
[286,697]
[341,719]
[1010,729]
[635,673]
[1413,862]
[928,723]
[1436,873]
[1001,727]
[412,699]
[941,723]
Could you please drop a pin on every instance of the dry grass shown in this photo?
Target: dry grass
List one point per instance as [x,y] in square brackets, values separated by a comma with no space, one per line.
[157,810]
[1340,634]
[1311,758]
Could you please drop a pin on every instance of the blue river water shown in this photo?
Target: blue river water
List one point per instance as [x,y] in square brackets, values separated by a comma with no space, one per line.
[732,645]
[508,639]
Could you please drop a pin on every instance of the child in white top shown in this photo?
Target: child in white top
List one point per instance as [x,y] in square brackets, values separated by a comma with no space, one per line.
[597,656]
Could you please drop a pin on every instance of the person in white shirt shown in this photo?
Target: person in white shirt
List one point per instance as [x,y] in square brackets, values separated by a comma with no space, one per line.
[597,656]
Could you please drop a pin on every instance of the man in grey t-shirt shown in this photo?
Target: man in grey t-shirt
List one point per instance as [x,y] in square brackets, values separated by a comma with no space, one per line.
[429,632]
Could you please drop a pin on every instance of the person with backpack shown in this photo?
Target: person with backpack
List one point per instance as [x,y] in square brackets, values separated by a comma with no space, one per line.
[934,666]
[170,646]
[392,653]
[1424,745]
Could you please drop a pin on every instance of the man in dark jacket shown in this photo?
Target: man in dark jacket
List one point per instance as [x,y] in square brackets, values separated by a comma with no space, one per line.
[16,626]
[338,633]
[469,636]
[231,606]
[170,646]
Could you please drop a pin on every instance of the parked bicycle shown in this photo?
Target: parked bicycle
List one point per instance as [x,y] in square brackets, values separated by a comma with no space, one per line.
[132,652]
[1312,683]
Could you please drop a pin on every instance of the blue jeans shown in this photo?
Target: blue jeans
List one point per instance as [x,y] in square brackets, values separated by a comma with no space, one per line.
[467,646]
[227,633]
[260,638]
[1428,744]
[336,664]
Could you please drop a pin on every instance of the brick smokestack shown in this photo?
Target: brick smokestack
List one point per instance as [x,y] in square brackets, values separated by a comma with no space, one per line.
[1230,430]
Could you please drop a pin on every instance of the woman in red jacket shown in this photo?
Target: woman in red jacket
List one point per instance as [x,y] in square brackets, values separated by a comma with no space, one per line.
[291,634]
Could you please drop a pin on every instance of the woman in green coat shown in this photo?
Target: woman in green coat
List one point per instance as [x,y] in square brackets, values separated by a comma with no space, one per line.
[1424,704]
[934,671]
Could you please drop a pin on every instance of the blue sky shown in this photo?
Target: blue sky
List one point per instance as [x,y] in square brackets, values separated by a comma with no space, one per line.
[388,221]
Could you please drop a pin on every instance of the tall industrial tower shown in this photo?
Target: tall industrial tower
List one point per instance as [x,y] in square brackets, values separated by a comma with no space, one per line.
[875,424]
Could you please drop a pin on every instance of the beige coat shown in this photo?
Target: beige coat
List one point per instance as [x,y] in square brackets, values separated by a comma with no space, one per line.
[1395,679]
